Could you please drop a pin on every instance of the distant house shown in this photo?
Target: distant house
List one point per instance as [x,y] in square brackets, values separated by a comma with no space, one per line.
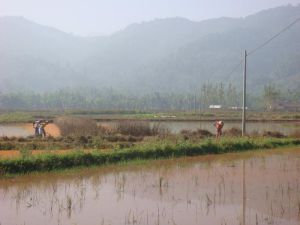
[237,108]
[215,106]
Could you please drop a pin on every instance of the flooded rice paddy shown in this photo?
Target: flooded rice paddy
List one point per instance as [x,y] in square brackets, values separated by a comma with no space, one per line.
[212,189]
[176,126]
[25,129]
[19,130]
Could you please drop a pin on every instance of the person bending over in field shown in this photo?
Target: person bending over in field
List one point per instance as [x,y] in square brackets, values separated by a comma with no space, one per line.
[218,125]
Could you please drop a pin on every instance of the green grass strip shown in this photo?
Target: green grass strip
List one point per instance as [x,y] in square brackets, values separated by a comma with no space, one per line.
[48,162]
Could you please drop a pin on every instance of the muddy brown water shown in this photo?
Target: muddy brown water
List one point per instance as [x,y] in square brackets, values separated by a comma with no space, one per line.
[14,130]
[198,190]
[176,126]
[25,129]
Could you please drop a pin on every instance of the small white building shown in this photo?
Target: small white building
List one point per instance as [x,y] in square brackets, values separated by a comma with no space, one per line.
[215,106]
[237,108]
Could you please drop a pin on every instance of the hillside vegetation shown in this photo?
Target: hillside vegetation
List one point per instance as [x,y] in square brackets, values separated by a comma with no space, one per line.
[165,54]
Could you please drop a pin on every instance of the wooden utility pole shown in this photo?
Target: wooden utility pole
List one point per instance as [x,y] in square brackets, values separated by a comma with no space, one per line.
[244,96]
[195,103]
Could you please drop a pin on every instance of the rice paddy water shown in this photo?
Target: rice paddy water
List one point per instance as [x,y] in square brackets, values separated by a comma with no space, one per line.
[192,190]
[25,129]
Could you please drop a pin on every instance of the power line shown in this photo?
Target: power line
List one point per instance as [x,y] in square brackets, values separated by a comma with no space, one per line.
[262,45]
[275,36]
[228,75]
[234,68]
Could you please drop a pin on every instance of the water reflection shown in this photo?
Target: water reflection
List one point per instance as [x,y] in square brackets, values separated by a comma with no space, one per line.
[200,190]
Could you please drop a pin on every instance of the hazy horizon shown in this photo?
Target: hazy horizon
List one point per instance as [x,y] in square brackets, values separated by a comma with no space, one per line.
[94,18]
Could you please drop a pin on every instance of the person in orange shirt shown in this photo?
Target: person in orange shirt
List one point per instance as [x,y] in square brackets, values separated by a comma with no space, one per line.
[219,125]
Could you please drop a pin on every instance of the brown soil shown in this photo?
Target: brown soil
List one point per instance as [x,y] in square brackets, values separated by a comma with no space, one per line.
[8,154]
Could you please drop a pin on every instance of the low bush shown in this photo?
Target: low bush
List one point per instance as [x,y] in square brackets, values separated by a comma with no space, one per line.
[123,138]
[275,134]
[295,134]
[106,130]
[233,132]
[197,134]
[255,133]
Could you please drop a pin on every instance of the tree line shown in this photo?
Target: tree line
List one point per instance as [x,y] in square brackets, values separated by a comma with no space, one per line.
[112,99]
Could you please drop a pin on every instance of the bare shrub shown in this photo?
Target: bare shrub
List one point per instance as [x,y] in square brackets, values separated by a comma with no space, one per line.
[5,138]
[158,128]
[275,134]
[74,126]
[186,132]
[139,128]
[204,133]
[200,133]
[295,134]
[134,138]
[255,133]
[120,138]
[233,132]
[106,130]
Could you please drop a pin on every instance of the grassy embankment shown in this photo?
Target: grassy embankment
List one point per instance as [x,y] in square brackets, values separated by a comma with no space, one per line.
[156,150]
[25,116]
[204,115]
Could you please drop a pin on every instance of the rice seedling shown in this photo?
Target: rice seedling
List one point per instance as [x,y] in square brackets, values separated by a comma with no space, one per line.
[69,206]
[25,153]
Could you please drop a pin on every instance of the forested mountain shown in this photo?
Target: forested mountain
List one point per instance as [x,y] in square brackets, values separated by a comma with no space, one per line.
[173,54]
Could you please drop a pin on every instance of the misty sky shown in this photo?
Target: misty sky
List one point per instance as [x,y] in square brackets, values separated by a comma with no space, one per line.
[94,17]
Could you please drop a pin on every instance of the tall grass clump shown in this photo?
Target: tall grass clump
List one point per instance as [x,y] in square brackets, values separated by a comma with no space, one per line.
[275,134]
[139,128]
[295,134]
[25,153]
[76,126]
[233,132]
[199,134]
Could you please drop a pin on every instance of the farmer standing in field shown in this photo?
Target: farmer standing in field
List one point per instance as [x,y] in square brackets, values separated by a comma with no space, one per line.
[39,128]
[35,126]
[219,125]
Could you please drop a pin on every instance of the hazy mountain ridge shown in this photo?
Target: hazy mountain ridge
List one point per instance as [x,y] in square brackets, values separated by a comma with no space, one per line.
[164,54]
